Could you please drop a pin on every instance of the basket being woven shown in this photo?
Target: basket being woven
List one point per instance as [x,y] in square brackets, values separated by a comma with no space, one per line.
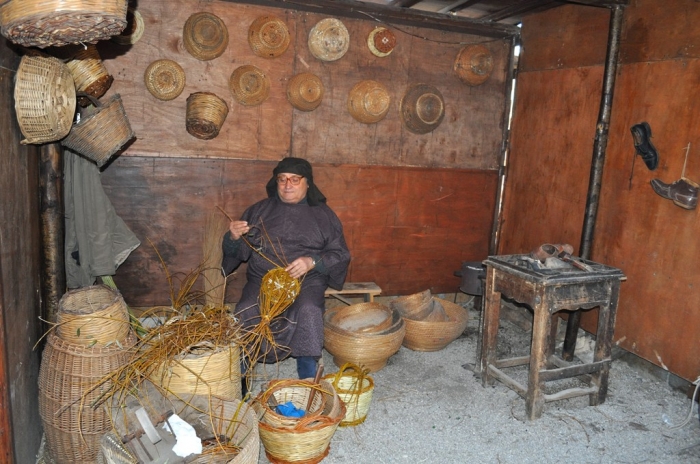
[43,23]
[165,79]
[368,101]
[268,37]
[205,36]
[89,74]
[355,388]
[436,335]
[305,91]
[206,113]
[44,99]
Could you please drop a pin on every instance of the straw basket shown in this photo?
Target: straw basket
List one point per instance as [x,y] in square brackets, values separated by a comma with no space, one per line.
[368,101]
[165,79]
[268,37]
[381,41]
[89,74]
[206,114]
[305,91]
[422,108]
[297,392]
[203,370]
[436,335]
[68,379]
[362,318]
[205,36]
[474,64]
[329,40]
[134,28]
[43,23]
[249,85]
[44,99]
[355,388]
[415,306]
[95,315]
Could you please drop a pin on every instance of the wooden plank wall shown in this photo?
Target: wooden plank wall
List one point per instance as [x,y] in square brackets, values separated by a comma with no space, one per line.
[413,206]
[653,241]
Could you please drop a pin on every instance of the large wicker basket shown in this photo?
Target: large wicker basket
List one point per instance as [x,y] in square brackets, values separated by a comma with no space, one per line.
[206,113]
[44,99]
[89,74]
[355,387]
[414,306]
[436,335]
[43,23]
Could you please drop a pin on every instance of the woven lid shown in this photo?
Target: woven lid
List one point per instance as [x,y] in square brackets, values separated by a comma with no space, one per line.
[133,30]
[368,101]
[474,64]
[305,91]
[165,79]
[329,40]
[205,36]
[249,85]
[422,108]
[268,37]
[381,41]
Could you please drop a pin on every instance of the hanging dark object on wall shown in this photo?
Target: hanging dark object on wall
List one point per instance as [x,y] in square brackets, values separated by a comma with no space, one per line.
[474,64]
[422,108]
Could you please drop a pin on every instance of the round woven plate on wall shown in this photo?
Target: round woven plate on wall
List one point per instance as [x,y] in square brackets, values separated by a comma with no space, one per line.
[305,91]
[133,30]
[422,108]
[381,41]
[474,64]
[368,101]
[205,36]
[165,79]
[268,37]
[249,85]
[329,40]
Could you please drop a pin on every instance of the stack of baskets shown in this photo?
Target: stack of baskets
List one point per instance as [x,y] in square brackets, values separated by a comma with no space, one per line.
[366,334]
[431,323]
[92,340]
[355,387]
[298,439]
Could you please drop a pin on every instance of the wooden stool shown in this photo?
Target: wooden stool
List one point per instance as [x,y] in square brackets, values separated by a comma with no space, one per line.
[548,291]
[368,289]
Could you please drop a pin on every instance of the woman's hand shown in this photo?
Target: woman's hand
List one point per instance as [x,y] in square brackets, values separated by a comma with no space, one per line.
[238,228]
[300,266]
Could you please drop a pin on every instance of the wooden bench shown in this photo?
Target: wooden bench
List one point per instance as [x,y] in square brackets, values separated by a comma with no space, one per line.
[368,289]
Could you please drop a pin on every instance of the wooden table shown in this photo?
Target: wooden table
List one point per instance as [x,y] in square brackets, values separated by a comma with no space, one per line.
[548,291]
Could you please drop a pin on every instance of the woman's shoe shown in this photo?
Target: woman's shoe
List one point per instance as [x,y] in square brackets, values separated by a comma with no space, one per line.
[641,133]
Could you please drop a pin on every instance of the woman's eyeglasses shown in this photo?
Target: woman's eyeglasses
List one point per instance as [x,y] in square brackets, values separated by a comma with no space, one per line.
[294,180]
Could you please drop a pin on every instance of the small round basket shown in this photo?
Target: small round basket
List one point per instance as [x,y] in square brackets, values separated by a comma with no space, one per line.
[102,132]
[436,335]
[355,388]
[249,85]
[362,318]
[474,64]
[329,40]
[368,101]
[206,114]
[415,306]
[305,91]
[134,28]
[422,108]
[89,73]
[381,41]
[268,37]
[44,99]
[324,402]
[205,36]
[43,23]
[165,79]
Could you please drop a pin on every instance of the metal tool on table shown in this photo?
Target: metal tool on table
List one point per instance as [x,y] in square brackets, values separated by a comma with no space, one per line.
[561,252]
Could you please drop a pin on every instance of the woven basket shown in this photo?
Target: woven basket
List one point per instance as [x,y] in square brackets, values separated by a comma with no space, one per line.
[422,108]
[381,41]
[205,36]
[134,28]
[44,99]
[415,306]
[433,335]
[268,37]
[474,64]
[249,85]
[329,40]
[165,79]
[206,114]
[297,392]
[362,318]
[95,316]
[368,101]
[89,74]
[305,91]
[355,388]
[67,376]
[204,370]
[43,23]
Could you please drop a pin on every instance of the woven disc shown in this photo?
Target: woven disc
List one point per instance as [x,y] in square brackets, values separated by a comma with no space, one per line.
[249,85]
[133,30]
[422,108]
[329,40]
[268,37]
[305,91]
[474,64]
[368,101]
[381,41]
[206,113]
[165,79]
[205,36]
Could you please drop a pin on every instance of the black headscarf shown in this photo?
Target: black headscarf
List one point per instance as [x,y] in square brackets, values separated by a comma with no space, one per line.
[300,167]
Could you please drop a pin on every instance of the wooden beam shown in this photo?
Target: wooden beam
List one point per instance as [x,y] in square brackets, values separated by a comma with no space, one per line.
[515,9]
[393,15]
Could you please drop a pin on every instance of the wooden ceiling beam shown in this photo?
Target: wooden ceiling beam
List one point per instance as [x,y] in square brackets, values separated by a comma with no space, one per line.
[516,9]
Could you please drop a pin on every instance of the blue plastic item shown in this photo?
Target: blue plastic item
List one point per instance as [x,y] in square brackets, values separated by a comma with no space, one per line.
[289,410]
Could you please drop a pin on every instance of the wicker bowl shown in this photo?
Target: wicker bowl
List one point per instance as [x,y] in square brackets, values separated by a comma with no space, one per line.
[381,41]
[206,113]
[415,306]
[422,108]
[368,101]
[436,335]
[165,79]
[474,64]
[205,36]
[133,30]
[268,37]
[329,40]
[249,85]
[362,318]
[305,91]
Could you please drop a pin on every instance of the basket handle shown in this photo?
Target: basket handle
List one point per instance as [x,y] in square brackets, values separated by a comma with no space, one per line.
[348,366]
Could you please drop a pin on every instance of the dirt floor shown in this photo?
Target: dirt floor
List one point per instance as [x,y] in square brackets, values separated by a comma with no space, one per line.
[430,407]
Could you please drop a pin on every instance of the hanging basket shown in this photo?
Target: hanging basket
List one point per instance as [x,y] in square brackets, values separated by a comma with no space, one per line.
[43,23]
[381,42]
[44,99]
[89,74]
[329,40]
[103,132]
[268,37]
[355,387]
[249,85]
[305,91]
[165,79]
[422,108]
[206,114]
[205,36]
[368,101]
[134,28]
[473,65]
